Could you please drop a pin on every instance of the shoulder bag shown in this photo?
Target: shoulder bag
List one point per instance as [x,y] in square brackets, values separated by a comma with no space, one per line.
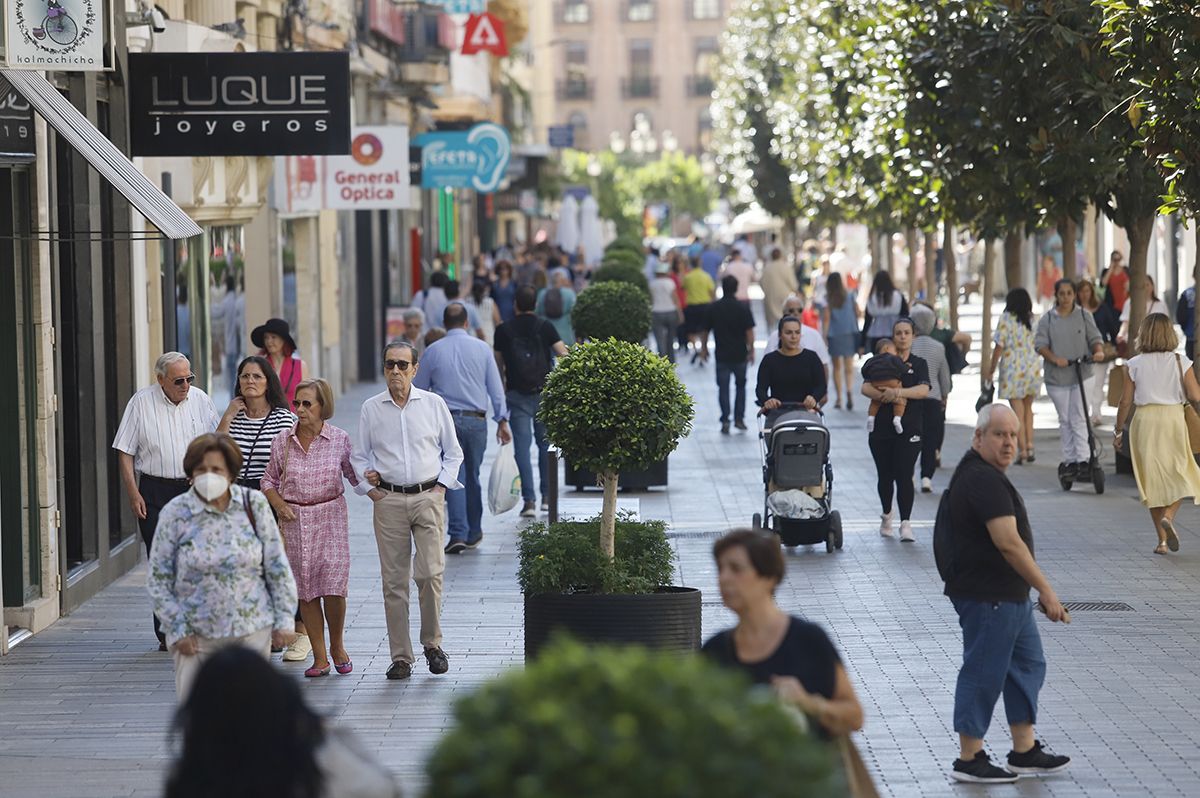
[1190,417]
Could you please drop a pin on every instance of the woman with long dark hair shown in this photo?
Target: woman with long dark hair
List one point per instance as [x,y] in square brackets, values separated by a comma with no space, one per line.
[1019,364]
[504,293]
[895,453]
[884,305]
[839,321]
[259,411]
[246,731]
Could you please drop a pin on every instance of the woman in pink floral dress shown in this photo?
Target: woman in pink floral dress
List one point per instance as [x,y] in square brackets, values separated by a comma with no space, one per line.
[303,482]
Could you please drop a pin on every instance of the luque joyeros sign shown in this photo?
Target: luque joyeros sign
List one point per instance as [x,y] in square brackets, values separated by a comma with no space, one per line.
[57,35]
[239,103]
[475,158]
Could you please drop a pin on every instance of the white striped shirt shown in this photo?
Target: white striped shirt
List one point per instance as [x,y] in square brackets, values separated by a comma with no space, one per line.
[254,435]
[156,431]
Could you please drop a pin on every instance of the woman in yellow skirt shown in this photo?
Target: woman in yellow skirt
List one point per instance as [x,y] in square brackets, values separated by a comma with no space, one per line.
[1159,383]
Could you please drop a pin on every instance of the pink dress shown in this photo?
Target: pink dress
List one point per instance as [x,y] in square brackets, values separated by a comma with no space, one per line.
[318,541]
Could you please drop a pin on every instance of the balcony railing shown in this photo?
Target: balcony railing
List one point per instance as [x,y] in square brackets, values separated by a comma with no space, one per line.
[575,89]
[700,85]
[638,11]
[639,88]
[573,13]
[428,34]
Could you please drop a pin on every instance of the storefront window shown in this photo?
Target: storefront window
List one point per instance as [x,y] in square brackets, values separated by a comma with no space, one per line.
[288,250]
[227,308]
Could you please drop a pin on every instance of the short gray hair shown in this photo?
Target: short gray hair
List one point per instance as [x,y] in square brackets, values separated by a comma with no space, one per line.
[166,360]
[984,420]
[414,313]
[401,343]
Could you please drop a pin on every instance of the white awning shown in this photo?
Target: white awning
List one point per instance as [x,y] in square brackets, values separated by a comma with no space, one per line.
[110,162]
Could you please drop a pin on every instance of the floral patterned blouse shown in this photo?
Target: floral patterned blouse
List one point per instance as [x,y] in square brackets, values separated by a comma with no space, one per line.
[211,575]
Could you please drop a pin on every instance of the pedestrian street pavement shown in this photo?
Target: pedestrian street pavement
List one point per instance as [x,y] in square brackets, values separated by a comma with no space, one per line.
[85,706]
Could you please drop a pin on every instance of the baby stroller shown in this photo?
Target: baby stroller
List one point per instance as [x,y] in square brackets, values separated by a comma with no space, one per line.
[795,452]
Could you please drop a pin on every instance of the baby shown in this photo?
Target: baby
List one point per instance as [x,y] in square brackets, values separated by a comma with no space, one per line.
[883,371]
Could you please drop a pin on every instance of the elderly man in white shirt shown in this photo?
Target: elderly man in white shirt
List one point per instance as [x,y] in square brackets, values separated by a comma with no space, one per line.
[408,457]
[159,423]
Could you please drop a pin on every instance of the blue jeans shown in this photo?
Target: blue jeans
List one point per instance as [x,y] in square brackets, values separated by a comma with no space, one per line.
[522,417]
[464,507]
[738,371]
[1002,655]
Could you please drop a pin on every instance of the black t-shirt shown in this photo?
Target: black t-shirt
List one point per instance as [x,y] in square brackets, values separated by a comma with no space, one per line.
[980,492]
[525,326]
[790,378]
[729,319]
[916,372]
[806,653]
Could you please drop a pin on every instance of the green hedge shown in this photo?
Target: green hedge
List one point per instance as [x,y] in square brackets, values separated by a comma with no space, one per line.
[622,272]
[611,310]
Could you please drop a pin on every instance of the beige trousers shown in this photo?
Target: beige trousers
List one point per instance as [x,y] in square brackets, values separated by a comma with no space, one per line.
[188,665]
[403,522]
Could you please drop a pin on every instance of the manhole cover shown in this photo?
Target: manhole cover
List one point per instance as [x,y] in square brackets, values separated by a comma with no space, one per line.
[1097,606]
[695,535]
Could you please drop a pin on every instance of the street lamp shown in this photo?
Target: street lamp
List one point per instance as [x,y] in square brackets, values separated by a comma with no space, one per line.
[593,166]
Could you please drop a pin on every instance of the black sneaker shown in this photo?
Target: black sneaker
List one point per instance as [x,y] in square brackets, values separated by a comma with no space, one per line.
[474,544]
[980,770]
[724,427]
[1037,761]
[399,670]
[740,425]
[438,661]
[456,547]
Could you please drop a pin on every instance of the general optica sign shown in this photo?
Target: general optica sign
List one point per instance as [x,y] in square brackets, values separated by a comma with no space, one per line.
[475,159]
[375,176]
[240,103]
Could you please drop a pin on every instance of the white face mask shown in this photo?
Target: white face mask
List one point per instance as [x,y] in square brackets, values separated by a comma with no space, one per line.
[210,487]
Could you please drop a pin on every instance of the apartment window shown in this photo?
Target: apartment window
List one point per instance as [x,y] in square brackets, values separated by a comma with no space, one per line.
[641,60]
[639,10]
[704,66]
[578,121]
[704,9]
[575,12]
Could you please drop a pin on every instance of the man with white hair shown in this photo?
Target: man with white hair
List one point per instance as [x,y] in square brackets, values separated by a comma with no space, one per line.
[555,303]
[809,338]
[414,328]
[983,545]
[159,423]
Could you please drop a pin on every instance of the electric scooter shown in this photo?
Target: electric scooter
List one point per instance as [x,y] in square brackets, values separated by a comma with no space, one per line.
[1067,473]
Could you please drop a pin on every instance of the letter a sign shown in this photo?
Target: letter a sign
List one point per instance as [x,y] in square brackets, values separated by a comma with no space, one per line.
[485,33]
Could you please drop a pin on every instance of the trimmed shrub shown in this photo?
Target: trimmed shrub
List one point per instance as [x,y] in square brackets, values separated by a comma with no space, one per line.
[593,722]
[622,272]
[564,558]
[611,310]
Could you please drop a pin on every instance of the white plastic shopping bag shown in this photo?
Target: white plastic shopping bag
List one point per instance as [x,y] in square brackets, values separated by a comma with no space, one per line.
[504,485]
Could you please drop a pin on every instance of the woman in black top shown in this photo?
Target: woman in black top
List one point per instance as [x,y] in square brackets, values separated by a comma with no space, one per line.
[794,657]
[790,375]
[894,453]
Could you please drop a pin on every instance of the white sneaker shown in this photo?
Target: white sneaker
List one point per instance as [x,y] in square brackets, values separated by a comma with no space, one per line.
[926,485]
[906,533]
[299,650]
[885,525]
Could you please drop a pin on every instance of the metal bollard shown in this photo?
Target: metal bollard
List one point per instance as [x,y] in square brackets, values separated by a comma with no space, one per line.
[552,483]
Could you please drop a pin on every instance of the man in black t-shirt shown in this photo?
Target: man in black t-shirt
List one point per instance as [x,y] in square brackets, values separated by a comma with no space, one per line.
[525,350]
[983,545]
[732,325]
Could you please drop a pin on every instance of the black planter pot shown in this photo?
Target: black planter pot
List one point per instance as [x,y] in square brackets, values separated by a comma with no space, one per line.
[668,619]
[653,477]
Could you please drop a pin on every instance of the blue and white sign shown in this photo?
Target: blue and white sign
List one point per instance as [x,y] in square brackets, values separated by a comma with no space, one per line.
[562,136]
[475,159]
[461,6]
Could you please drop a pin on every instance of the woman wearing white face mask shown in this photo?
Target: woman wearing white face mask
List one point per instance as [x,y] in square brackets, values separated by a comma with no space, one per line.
[218,572]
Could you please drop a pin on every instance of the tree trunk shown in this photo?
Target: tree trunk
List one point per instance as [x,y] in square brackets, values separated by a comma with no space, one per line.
[873,245]
[1014,275]
[890,254]
[951,268]
[787,241]
[1139,234]
[931,282]
[608,515]
[1066,231]
[910,242]
[989,281]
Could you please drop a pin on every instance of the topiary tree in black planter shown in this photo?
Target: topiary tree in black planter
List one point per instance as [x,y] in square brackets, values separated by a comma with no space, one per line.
[592,722]
[611,310]
[622,271]
[610,406]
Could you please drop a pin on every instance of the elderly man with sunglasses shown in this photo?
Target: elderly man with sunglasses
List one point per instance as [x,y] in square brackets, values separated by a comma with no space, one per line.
[408,456]
[159,423]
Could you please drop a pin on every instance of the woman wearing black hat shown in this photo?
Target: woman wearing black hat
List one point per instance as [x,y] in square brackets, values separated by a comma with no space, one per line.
[275,343]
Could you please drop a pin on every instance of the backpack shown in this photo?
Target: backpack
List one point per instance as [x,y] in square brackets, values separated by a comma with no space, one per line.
[552,303]
[530,362]
[943,535]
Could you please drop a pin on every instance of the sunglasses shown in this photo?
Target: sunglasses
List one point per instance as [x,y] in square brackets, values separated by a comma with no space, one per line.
[305,403]
[189,379]
[403,365]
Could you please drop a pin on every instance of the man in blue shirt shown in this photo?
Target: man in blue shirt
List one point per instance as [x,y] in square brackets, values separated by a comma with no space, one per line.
[460,368]
[710,260]
[1185,314]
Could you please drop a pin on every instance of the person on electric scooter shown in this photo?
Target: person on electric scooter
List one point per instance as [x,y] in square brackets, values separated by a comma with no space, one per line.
[1064,333]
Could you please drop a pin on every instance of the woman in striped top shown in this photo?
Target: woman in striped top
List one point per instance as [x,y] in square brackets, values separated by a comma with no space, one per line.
[259,411]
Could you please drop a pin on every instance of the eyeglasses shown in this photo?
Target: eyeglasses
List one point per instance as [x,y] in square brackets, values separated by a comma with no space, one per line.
[403,365]
[305,403]
[189,379]
[252,377]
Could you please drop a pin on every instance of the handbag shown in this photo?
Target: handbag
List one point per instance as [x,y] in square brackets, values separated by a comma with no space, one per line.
[985,396]
[1190,417]
[1116,384]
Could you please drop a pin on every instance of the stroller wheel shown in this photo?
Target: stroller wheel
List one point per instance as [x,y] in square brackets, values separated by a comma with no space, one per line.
[1098,479]
[756,522]
[835,526]
[829,546]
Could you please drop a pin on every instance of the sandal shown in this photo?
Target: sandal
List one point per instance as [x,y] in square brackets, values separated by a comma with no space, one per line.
[1172,536]
[1029,458]
[343,667]
[1161,548]
[314,671]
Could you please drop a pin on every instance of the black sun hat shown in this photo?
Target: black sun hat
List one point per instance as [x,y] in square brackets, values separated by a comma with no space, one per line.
[279,327]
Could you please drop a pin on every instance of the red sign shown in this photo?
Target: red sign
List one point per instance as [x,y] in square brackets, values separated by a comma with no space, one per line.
[385,18]
[485,33]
